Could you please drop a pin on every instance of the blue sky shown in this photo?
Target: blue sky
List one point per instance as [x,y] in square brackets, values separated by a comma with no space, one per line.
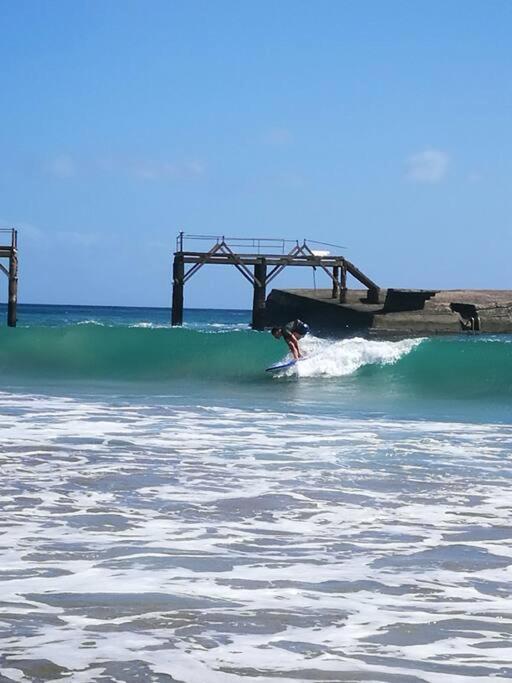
[383,126]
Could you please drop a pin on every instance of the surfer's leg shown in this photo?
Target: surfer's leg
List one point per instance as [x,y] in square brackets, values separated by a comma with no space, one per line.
[296,338]
[293,346]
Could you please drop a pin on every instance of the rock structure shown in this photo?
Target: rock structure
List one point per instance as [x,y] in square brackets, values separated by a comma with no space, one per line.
[398,313]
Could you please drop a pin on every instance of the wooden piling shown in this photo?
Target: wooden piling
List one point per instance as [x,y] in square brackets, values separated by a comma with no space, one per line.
[335,282]
[343,285]
[178,275]
[13,289]
[259,295]
[373,295]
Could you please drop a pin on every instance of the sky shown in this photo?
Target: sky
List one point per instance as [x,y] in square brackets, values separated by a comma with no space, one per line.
[383,126]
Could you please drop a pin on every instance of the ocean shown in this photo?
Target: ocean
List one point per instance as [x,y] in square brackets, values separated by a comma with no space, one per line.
[172,512]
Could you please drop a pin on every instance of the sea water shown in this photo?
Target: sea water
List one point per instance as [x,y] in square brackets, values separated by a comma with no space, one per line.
[170,512]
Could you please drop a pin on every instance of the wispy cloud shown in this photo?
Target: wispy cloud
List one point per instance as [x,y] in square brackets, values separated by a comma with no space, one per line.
[147,169]
[28,232]
[46,239]
[76,238]
[292,180]
[62,166]
[428,166]
[277,137]
[152,169]
[474,177]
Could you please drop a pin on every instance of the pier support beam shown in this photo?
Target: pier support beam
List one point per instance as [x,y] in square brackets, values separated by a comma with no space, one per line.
[13,289]
[335,282]
[258,301]
[343,285]
[178,276]
[373,295]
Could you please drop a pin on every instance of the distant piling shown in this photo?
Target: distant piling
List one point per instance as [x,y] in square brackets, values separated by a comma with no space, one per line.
[178,275]
[259,295]
[9,251]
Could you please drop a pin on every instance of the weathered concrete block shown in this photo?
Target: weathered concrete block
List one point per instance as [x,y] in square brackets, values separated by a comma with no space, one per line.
[399,313]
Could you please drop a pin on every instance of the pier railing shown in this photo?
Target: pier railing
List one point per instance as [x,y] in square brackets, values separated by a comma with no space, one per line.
[258,245]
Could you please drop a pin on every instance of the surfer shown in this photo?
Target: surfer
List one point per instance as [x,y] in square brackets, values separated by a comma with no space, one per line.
[292,332]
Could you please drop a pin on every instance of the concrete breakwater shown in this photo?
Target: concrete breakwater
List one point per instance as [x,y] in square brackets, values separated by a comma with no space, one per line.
[398,313]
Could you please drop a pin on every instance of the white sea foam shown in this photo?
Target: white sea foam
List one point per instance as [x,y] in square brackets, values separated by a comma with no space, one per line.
[206,327]
[149,325]
[223,545]
[217,328]
[91,323]
[331,358]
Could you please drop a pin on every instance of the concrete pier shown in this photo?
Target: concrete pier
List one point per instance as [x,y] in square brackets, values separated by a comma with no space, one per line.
[397,313]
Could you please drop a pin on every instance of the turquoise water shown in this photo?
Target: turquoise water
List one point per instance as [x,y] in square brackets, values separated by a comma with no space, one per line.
[134,351]
[173,512]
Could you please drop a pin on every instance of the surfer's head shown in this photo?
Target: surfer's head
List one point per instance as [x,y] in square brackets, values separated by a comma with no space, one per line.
[277,332]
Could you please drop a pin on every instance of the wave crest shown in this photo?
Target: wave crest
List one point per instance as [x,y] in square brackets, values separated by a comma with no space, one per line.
[445,367]
[340,358]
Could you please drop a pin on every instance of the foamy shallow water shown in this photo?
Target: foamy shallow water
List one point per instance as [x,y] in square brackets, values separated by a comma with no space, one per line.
[198,544]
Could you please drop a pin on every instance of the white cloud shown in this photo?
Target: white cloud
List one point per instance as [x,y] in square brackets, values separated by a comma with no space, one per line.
[33,235]
[63,167]
[277,137]
[76,238]
[429,166]
[27,232]
[150,169]
[292,180]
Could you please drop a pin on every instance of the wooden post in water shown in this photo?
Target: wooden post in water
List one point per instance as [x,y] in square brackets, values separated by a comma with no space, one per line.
[13,288]
[343,285]
[335,282]
[258,301]
[178,275]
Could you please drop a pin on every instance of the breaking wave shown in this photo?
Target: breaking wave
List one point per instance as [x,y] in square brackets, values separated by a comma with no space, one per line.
[473,366]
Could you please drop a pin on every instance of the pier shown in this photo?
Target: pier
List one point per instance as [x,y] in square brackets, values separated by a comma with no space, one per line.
[9,266]
[260,261]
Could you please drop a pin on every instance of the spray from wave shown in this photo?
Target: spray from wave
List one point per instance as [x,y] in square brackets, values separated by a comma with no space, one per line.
[339,358]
